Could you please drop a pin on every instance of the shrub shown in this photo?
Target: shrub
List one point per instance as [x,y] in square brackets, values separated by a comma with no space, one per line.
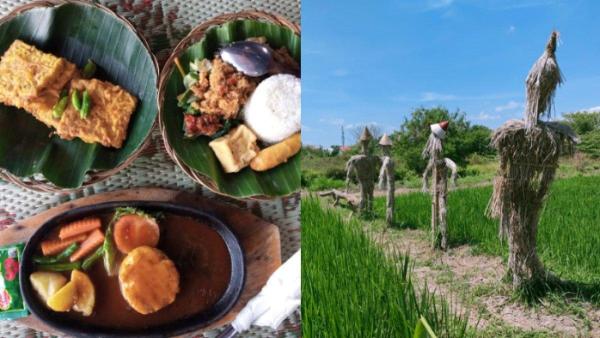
[590,144]
[336,173]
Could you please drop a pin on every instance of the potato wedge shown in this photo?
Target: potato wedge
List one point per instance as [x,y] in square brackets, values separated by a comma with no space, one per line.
[85,297]
[47,283]
[63,299]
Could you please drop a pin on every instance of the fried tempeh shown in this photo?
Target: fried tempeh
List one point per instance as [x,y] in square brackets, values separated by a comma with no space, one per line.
[25,71]
[32,80]
[108,119]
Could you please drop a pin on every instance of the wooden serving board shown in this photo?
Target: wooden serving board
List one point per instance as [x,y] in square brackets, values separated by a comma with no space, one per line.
[259,239]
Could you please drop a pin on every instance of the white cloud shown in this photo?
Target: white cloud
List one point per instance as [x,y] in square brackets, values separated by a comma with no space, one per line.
[340,72]
[518,4]
[590,109]
[306,128]
[432,96]
[511,29]
[361,124]
[593,109]
[335,121]
[483,116]
[438,4]
[510,105]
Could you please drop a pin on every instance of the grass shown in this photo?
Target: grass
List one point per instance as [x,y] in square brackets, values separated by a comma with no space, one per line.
[568,234]
[316,171]
[350,288]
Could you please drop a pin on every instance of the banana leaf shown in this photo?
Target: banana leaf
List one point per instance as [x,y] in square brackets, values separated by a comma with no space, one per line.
[196,153]
[77,32]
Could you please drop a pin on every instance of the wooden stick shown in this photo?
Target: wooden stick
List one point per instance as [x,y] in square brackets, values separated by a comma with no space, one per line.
[434,205]
[179,67]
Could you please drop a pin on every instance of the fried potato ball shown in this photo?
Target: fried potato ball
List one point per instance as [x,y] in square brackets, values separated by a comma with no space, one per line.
[149,280]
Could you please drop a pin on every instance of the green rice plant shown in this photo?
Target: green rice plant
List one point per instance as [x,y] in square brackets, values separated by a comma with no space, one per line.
[568,234]
[350,288]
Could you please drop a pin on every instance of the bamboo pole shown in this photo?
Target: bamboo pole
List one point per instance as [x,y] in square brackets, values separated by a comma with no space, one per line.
[434,203]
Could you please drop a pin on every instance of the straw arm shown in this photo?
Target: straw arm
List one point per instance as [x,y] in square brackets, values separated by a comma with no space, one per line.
[426,174]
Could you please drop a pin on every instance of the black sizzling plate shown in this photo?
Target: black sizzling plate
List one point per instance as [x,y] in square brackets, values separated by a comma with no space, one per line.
[73,327]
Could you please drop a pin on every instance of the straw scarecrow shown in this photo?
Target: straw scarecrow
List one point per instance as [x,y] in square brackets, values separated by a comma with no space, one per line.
[363,166]
[387,177]
[439,170]
[529,150]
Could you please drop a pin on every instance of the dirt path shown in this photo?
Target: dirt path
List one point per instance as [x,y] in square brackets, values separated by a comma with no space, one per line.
[404,190]
[475,281]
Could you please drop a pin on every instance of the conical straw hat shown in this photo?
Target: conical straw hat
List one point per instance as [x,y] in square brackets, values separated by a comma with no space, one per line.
[385,141]
[439,129]
[366,135]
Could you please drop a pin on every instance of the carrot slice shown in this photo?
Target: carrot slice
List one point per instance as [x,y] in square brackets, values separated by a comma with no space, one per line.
[54,246]
[94,240]
[133,230]
[79,227]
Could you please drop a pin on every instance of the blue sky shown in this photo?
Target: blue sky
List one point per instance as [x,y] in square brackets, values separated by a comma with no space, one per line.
[375,61]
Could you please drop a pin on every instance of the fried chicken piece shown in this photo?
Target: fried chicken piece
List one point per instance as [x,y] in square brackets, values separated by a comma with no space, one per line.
[205,124]
[149,280]
[222,90]
[283,57]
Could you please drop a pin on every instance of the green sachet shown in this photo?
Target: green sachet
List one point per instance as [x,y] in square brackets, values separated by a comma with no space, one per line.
[12,305]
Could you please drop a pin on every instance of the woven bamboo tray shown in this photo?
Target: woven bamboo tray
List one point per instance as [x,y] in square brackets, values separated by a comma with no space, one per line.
[38,182]
[194,36]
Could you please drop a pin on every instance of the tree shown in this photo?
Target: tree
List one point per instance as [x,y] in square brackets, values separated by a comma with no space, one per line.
[462,140]
[583,122]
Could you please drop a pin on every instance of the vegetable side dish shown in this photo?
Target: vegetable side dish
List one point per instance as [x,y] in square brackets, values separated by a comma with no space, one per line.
[128,270]
[56,93]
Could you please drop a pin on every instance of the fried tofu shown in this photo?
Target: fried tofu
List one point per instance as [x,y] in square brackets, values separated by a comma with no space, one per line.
[149,280]
[109,116]
[236,149]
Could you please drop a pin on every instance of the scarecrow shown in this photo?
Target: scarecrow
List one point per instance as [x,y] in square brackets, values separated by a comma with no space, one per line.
[387,177]
[363,166]
[438,168]
[529,150]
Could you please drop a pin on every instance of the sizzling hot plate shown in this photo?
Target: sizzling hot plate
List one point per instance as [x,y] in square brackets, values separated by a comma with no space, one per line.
[192,323]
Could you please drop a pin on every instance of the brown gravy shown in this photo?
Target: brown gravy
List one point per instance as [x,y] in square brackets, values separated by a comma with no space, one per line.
[204,267]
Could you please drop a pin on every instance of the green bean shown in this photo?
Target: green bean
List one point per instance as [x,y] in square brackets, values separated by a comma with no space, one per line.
[89,69]
[61,257]
[60,266]
[88,262]
[75,99]
[60,106]
[86,105]
[109,251]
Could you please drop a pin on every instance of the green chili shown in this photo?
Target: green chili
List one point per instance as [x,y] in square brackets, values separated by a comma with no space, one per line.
[60,266]
[60,106]
[88,262]
[75,99]
[86,105]
[60,258]
[89,69]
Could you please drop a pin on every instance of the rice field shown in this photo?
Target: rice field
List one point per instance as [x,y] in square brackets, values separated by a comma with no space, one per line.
[351,289]
[568,234]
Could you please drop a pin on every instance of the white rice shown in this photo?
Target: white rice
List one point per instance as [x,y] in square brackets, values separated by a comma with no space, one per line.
[273,110]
